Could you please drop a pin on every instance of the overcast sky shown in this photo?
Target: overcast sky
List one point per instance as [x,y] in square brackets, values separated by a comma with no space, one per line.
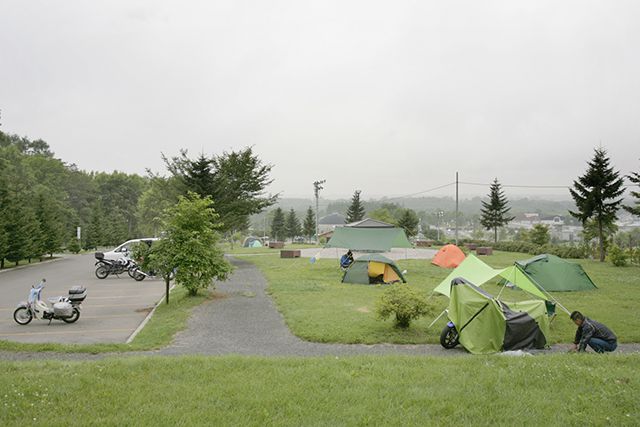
[387,97]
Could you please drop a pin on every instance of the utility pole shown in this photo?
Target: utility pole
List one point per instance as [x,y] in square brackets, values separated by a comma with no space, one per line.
[317,186]
[456,208]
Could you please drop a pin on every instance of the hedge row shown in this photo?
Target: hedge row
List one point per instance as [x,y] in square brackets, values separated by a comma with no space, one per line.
[533,249]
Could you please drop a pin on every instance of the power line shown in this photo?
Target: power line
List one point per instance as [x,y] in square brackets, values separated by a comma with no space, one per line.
[422,192]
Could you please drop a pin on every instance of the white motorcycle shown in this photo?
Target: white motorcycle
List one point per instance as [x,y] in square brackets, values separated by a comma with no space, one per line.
[62,308]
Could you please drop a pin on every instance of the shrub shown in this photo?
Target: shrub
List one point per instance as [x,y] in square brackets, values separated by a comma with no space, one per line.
[617,256]
[403,302]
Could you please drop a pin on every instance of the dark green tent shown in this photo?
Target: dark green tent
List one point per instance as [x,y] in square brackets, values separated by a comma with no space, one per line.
[372,269]
[368,239]
[554,274]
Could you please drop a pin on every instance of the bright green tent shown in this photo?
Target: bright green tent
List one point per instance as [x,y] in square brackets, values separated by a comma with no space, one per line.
[488,325]
[551,273]
[476,271]
[371,269]
[368,239]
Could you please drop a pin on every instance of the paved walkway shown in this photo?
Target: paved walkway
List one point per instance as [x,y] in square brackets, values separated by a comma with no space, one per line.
[245,321]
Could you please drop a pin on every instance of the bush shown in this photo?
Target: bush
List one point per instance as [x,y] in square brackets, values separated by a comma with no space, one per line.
[403,302]
[617,256]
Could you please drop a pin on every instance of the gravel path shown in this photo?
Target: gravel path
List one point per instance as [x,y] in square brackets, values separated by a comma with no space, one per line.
[245,321]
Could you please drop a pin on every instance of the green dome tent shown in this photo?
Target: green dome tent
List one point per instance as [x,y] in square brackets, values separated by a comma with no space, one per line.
[554,274]
[488,325]
[372,269]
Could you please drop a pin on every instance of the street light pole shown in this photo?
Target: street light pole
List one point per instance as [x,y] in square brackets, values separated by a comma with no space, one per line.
[317,186]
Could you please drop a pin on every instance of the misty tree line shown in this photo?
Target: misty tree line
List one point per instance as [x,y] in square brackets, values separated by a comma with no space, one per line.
[43,199]
[598,196]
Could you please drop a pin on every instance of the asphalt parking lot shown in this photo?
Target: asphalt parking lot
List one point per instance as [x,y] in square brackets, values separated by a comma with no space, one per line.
[112,311]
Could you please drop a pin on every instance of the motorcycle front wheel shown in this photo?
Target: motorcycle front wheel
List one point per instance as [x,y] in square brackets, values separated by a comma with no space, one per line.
[73,318]
[22,315]
[138,276]
[102,272]
[449,337]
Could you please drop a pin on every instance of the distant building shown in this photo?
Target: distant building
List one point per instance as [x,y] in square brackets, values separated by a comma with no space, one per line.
[330,222]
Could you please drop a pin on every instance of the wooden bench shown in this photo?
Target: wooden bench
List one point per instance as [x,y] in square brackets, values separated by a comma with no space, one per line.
[289,253]
[484,250]
[276,245]
[471,246]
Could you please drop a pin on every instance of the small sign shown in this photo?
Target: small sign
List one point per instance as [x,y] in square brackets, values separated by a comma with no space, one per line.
[78,230]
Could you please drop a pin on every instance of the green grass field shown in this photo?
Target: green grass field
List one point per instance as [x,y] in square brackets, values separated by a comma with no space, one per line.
[494,390]
[318,307]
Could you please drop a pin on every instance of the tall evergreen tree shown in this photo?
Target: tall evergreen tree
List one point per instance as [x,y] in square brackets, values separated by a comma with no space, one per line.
[94,231]
[356,209]
[235,181]
[409,222]
[634,210]
[597,195]
[51,227]
[292,225]
[495,212]
[278,227]
[309,225]
[21,225]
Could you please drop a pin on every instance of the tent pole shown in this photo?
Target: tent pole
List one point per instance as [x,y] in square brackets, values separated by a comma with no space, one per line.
[437,318]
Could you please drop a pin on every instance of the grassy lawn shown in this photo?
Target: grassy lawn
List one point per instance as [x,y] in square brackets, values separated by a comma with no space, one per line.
[318,307]
[163,325]
[394,390]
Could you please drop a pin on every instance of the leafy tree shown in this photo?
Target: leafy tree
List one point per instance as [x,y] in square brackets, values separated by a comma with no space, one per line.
[309,225]
[236,182]
[597,195]
[634,210]
[278,225]
[539,234]
[190,245]
[292,225]
[384,215]
[409,222]
[356,209]
[495,212]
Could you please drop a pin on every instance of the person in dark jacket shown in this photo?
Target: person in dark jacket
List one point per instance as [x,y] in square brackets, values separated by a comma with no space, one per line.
[592,333]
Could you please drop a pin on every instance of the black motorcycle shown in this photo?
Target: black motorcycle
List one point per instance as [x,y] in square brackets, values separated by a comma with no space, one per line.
[105,267]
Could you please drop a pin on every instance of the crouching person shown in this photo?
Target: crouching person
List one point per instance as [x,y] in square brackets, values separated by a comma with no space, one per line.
[592,333]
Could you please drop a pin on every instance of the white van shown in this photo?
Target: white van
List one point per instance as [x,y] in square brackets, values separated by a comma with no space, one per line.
[125,248]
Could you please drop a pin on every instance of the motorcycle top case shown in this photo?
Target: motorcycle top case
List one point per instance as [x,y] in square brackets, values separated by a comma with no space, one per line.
[77,293]
[62,309]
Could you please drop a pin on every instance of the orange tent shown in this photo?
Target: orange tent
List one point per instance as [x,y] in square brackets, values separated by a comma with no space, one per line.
[450,256]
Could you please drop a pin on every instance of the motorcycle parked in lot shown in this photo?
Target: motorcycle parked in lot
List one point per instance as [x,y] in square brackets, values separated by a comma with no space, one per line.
[62,308]
[105,267]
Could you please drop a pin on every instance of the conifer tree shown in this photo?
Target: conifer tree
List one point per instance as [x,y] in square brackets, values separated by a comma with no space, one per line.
[356,209]
[278,228]
[634,210]
[292,225]
[598,196]
[309,225]
[409,222]
[51,227]
[495,213]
